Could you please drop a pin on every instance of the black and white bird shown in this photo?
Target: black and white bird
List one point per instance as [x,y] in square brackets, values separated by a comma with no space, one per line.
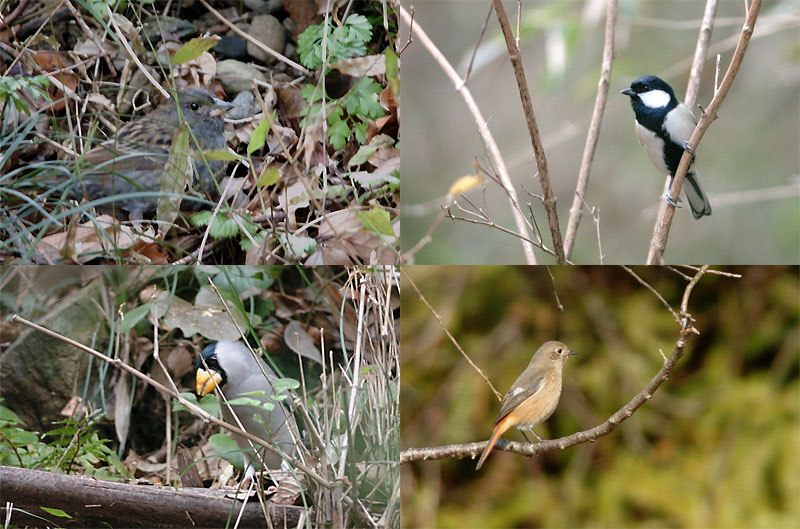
[231,367]
[663,127]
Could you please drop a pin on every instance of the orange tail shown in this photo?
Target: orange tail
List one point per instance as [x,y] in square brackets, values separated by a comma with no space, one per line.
[499,429]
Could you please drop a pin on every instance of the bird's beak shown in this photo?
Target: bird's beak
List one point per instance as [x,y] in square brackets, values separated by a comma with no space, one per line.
[573,353]
[628,92]
[220,107]
[206,381]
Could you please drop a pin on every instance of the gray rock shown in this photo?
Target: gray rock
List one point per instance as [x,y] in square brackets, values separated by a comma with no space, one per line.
[237,76]
[268,30]
[231,47]
[153,28]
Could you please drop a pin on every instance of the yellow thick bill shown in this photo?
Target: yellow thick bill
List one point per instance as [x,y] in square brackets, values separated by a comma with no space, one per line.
[206,381]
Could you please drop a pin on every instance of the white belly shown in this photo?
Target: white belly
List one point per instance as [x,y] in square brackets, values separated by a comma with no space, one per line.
[653,146]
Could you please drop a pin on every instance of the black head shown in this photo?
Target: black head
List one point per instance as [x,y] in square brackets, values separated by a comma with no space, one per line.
[647,83]
[651,98]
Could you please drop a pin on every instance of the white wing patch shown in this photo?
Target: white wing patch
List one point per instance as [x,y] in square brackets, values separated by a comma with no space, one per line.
[655,98]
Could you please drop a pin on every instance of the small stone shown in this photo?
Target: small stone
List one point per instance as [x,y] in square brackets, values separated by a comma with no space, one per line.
[237,76]
[268,30]
[231,47]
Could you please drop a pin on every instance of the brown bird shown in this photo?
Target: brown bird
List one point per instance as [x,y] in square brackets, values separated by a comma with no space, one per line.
[138,156]
[533,397]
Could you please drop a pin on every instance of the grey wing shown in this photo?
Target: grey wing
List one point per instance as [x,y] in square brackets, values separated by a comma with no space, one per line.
[680,123]
[516,396]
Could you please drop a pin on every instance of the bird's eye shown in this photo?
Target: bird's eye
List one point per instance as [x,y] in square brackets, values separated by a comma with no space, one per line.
[646,88]
[559,350]
[194,106]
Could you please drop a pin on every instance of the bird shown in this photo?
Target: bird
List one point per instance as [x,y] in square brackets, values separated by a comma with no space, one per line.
[663,127]
[231,367]
[533,397]
[136,158]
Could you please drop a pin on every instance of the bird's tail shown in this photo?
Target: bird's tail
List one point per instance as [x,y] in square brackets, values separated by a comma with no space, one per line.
[499,429]
[698,201]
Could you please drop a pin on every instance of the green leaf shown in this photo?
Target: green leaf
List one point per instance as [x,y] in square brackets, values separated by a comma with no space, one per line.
[269,177]
[344,42]
[392,69]
[201,218]
[279,385]
[134,316]
[56,512]
[259,136]
[223,154]
[338,132]
[194,48]
[227,449]
[297,246]
[363,154]
[376,220]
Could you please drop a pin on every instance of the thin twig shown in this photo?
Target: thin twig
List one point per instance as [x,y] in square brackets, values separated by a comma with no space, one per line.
[549,200]
[447,332]
[483,130]
[593,136]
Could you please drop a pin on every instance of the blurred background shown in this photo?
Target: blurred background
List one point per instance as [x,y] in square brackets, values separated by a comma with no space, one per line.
[748,160]
[717,445]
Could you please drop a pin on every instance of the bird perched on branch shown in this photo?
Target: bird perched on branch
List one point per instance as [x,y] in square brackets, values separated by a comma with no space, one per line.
[138,156]
[533,397]
[231,367]
[663,127]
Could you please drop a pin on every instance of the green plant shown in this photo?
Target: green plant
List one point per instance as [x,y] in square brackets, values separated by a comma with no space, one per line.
[348,115]
[74,443]
[346,41]
[11,88]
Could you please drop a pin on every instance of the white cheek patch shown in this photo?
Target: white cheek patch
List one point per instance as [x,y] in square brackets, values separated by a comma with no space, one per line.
[655,98]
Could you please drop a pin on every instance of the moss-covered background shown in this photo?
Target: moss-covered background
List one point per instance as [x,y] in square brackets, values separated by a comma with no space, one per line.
[717,446]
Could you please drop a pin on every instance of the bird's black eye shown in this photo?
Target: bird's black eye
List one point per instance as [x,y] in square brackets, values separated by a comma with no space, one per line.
[559,350]
[646,88]
[194,105]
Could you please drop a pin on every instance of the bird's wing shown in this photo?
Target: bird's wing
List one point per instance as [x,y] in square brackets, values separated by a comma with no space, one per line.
[517,395]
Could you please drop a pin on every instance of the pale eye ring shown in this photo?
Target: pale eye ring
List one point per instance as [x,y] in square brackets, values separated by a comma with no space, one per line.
[559,350]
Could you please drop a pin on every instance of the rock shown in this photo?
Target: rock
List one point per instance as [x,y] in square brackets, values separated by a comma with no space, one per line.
[231,47]
[237,76]
[153,28]
[244,106]
[268,30]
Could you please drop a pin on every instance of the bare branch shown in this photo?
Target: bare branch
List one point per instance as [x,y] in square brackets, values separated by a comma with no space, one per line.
[483,130]
[447,332]
[592,137]
[549,200]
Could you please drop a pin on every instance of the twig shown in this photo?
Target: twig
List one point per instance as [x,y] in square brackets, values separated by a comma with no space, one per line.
[658,243]
[549,200]
[447,332]
[592,137]
[483,130]
[257,43]
[124,41]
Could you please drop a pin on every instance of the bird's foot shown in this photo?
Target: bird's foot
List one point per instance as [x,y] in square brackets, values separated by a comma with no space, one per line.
[671,201]
[688,148]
